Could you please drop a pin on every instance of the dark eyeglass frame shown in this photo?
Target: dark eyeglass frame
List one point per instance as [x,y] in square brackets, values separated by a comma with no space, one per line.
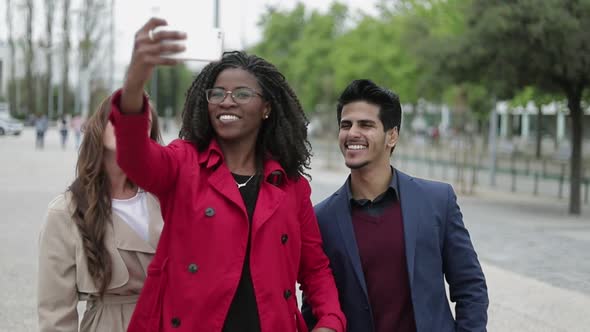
[231,93]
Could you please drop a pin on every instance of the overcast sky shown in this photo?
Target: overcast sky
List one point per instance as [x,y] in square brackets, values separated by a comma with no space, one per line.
[238,19]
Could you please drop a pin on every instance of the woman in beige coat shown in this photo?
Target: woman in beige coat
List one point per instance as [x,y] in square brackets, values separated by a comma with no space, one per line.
[98,239]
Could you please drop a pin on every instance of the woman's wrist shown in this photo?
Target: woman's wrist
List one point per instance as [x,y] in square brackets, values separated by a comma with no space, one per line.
[131,101]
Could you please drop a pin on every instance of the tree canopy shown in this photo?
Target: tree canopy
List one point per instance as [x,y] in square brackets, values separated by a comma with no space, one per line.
[539,43]
[463,53]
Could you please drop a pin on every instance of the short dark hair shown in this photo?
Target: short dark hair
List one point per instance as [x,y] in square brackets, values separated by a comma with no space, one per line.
[283,134]
[390,109]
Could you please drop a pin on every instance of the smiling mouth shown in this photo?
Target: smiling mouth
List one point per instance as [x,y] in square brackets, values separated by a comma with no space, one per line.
[227,118]
[355,147]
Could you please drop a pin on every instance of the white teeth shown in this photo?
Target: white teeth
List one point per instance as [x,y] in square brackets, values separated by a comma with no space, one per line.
[356,147]
[228,117]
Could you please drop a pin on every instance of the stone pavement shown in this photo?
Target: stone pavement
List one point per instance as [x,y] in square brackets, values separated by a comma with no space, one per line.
[534,255]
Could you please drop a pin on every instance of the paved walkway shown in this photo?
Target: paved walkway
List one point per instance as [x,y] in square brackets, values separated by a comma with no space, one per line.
[534,255]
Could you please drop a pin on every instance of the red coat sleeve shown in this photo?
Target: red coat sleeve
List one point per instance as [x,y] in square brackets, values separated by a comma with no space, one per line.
[315,275]
[148,164]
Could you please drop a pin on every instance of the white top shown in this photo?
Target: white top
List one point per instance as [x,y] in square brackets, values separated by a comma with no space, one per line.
[134,212]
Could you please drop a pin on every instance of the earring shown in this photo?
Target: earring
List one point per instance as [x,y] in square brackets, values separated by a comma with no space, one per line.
[265,116]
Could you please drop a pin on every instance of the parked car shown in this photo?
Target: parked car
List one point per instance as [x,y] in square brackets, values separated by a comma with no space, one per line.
[9,126]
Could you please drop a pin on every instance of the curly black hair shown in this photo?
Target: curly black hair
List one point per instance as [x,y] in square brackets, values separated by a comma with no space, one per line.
[283,135]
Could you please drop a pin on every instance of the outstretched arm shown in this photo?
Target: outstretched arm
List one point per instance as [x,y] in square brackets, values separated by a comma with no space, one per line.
[151,166]
[145,162]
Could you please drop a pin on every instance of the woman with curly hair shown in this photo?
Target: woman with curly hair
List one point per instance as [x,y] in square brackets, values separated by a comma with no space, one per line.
[98,239]
[240,229]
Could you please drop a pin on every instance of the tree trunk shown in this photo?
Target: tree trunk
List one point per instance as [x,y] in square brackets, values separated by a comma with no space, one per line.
[12,85]
[29,58]
[64,100]
[574,97]
[484,130]
[49,10]
[539,132]
[510,125]
[92,25]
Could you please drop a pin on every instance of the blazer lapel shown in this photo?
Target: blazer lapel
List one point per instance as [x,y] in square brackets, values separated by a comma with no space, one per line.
[344,221]
[412,216]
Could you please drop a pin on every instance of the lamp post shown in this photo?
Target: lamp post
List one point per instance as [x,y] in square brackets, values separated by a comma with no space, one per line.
[216,14]
[493,143]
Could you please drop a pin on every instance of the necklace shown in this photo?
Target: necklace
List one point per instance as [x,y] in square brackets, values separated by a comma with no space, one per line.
[240,185]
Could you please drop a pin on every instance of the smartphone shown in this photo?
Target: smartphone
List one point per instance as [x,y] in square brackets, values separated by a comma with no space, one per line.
[200,45]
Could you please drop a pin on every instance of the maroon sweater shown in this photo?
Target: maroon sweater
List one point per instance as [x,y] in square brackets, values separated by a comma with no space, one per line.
[379,235]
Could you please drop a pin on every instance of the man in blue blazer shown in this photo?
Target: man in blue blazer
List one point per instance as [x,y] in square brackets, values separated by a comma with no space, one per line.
[393,239]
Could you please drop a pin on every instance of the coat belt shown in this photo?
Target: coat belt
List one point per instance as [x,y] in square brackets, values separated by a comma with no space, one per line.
[110,299]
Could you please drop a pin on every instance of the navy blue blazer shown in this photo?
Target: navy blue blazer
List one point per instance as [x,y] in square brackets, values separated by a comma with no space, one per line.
[437,247]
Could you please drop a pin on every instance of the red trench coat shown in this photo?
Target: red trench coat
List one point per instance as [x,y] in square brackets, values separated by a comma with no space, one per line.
[198,263]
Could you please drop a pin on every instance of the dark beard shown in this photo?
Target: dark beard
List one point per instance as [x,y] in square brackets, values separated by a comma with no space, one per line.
[356,166]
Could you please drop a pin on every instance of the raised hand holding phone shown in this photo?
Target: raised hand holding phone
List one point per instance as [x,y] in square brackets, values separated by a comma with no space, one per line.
[202,45]
[150,49]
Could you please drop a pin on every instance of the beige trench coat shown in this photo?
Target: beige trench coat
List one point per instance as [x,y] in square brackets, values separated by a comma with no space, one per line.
[63,278]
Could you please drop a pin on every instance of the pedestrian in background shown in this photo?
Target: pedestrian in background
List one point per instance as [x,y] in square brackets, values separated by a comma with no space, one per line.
[98,239]
[63,132]
[41,125]
[76,124]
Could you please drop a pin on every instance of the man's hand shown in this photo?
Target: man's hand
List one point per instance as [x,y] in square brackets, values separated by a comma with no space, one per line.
[322,329]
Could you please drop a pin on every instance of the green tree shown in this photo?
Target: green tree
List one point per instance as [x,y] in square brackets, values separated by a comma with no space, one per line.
[427,26]
[172,85]
[301,44]
[280,29]
[313,72]
[374,49]
[540,43]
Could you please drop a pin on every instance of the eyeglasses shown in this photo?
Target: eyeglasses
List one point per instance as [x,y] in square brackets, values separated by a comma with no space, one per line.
[239,95]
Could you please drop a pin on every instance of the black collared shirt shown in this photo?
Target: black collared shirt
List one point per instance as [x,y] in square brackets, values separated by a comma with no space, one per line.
[377,206]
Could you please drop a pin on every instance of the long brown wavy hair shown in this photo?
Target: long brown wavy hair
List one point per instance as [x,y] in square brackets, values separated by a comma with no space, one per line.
[91,196]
